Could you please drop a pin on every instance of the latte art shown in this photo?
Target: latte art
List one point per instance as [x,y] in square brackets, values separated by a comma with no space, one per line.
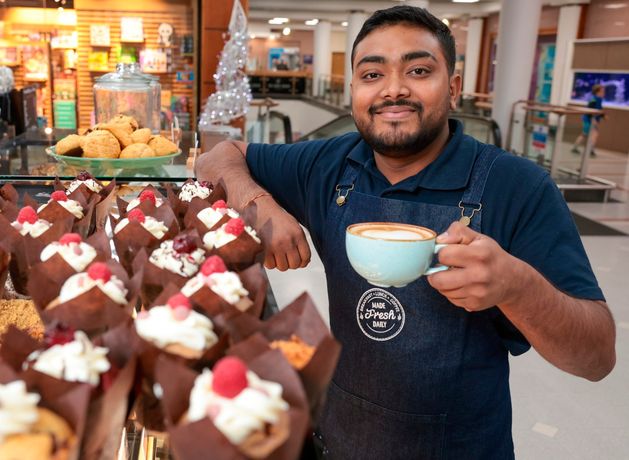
[390,231]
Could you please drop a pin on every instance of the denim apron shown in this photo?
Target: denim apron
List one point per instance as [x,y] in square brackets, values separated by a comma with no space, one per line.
[418,378]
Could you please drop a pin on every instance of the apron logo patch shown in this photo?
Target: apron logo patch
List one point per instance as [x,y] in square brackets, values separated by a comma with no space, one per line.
[380,315]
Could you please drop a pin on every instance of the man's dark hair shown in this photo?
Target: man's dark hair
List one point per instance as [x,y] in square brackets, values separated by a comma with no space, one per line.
[412,16]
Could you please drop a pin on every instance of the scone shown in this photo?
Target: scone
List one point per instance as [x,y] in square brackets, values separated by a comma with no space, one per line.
[100,144]
[141,136]
[137,151]
[120,118]
[122,131]
[69,146]
[162,146]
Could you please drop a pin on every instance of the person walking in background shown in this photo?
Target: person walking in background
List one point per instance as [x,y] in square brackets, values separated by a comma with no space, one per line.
[598,91]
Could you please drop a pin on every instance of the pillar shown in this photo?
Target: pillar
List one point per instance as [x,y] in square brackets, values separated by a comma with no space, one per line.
[354,23]
[517,40]
[472,54]
[567,31]
[322,64]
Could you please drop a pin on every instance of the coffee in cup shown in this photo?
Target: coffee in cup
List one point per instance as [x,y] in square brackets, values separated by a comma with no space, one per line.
[391,254]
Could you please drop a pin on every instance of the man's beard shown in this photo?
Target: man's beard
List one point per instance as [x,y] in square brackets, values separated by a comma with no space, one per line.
[398,144]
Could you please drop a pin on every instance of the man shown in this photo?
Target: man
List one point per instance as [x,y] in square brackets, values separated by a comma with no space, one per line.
[435,383]
[598,93]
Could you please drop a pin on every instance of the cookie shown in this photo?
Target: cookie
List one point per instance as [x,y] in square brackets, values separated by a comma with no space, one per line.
[100,144]
[137,151]
[120,118]
[69,146]
[162,146]
[141,136]
[122,131]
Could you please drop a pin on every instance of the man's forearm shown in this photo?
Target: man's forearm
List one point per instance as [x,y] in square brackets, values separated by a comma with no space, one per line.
[226,164]
[576,335]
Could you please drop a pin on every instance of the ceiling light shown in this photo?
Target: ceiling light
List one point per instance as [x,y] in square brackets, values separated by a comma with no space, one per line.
[344,23]
[278,21]
[286,31]
[464,1]
[446,21]
[615,6]
[311,22]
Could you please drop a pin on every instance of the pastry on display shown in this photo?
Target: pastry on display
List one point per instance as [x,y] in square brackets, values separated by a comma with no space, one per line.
[215,282]
[29,431]
[162,146]
[61,206]
[58,197]
[121,131]
[195,189]
[249,411]
[205,217]
[73,251]
[155,227]
[141,136]
[176,328]
[137,151]
[70,146]
[100,144]
[237,243]
[174,261]
[146,195]
[197,194]
[29,223]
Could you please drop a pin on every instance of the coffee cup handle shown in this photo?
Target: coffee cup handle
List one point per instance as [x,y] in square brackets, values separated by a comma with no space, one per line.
[437,268]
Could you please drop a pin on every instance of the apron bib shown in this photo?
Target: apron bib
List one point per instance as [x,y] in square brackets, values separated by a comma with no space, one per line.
[418,378]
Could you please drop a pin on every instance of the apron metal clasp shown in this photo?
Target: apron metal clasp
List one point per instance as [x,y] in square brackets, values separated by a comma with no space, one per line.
[342,198]
[465,220]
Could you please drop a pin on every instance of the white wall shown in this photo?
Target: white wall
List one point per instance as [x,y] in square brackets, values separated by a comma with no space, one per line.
[338,42]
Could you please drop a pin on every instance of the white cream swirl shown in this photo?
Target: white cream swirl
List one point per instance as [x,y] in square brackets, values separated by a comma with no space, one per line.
[255,406]
[72,206]
[89,183]
[160,327]
[210,217]
[134,203]
[219,238]
[190,190]
[77,255]
[76,361]
[183,264]
[226,284]
[82,282]
[35,229]
[18,409]
[152,225]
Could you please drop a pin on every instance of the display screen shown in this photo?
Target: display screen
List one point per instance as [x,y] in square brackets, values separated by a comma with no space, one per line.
[616,88]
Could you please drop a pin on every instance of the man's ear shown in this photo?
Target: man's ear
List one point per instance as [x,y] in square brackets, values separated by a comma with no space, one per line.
[455,89]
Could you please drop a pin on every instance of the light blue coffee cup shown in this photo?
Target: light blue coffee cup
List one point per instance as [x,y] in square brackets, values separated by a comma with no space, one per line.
[390,254]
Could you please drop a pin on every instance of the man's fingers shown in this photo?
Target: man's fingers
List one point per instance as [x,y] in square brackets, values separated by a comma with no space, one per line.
[458,233]
[294,259]
[304,252]
[281,262]
[269,260]
[448,280]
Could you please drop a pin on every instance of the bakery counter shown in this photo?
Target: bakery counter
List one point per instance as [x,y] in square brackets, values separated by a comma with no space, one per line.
[27,158]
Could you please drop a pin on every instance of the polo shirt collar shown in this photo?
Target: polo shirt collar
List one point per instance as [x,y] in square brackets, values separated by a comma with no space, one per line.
[451,170]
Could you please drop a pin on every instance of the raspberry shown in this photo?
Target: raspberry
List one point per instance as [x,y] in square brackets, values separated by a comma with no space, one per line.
[59,195]
[148,195]
[235,226]
[58,334]
[83,176]
[184,244]
[70,238]
[229,377]
[99,271]
[220,204]
[181,313]
[206,184]
[179,300]
[136,214]
[214,264]
[27,214]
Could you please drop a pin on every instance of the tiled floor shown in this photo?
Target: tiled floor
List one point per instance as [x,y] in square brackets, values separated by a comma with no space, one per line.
[556,416]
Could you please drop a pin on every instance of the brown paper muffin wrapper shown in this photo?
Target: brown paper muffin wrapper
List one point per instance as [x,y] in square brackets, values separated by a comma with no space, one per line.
[8,193]
[85,191]
[133,237]
[300,318]
[54,212]
[191,220]
[93,311]
[148,409]
[181,207]
[147,207]
[67,399]
[9,210]
[254,281]
[193,440]
[108,406]
[5,258]
[20,264]
[239,254]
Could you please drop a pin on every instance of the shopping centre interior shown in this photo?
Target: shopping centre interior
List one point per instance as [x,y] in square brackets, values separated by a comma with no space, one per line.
[528,70]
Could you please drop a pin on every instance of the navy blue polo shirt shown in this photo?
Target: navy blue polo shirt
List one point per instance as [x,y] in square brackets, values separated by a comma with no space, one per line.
[523,210]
